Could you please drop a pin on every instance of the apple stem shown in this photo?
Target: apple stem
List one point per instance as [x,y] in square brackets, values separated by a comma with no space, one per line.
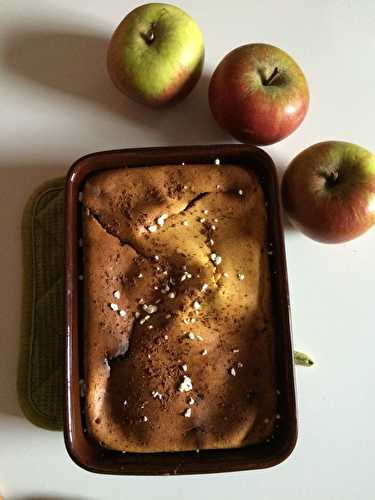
[334,176]
[268,81]
[331,179]
[148,37]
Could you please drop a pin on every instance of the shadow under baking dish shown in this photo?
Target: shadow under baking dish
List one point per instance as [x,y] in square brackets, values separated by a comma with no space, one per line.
[85,451]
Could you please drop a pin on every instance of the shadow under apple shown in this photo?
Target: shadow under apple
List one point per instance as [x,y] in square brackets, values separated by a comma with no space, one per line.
[74,63]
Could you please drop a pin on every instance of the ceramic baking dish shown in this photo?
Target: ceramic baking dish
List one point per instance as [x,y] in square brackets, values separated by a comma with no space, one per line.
[88,453]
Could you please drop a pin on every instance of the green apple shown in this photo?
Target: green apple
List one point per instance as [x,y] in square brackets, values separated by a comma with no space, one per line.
[156,54]
[328,191]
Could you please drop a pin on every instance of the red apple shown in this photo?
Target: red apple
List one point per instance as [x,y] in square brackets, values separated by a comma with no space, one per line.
[258,94]
[328,191]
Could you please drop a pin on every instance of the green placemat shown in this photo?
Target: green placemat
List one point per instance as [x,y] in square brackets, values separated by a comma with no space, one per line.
[41,359]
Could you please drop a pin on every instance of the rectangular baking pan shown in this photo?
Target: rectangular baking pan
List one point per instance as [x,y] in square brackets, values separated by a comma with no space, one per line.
[84,451]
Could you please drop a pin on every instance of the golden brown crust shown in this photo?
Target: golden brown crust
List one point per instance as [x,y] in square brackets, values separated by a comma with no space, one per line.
[135,366]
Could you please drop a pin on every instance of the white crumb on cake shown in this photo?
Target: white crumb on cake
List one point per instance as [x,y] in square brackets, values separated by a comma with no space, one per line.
[216,259]
[186,384]
[161,219]
[156,395]
[150,309]
[144,319]
[187,413]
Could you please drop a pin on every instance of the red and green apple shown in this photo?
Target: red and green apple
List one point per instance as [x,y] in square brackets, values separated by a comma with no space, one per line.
[156,54]
[259,94]
[328,191]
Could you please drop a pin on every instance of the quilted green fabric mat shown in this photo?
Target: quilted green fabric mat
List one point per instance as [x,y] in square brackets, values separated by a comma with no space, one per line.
[41,359]
[40,366]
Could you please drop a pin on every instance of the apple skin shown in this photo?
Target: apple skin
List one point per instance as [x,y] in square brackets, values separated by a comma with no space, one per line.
[328,191]
[254,103]
[156,54]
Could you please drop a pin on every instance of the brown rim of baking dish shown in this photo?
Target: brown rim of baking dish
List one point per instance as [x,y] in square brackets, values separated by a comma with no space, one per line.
[84,451]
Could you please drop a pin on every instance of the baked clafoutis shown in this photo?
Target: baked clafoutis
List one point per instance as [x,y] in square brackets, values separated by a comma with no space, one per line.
[178,330]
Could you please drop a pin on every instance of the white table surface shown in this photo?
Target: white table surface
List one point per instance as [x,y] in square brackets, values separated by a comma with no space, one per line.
[57,104]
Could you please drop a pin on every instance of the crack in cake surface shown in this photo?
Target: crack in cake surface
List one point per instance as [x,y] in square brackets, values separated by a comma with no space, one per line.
[110,232]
